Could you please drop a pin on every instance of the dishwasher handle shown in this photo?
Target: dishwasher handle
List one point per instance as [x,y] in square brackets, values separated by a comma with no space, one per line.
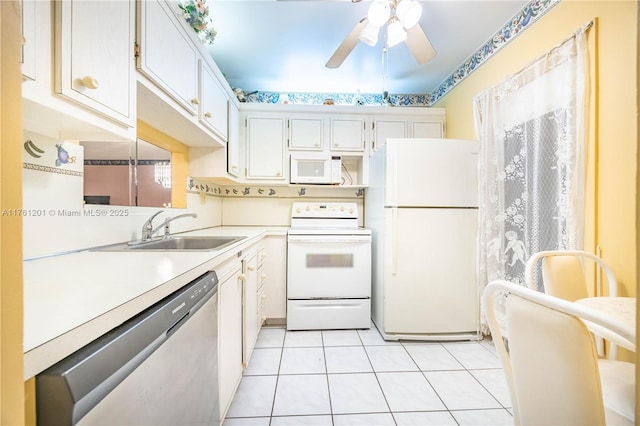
[68,390]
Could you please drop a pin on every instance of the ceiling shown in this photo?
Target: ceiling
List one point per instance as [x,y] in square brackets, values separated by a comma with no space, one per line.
[283,46]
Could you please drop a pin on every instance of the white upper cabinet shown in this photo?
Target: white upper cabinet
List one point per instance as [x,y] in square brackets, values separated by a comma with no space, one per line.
[387,128]
[421,128]
[168,56]
[94,56]
[306,133]
[233,144]
[348,133]
[213,111]
[265,148]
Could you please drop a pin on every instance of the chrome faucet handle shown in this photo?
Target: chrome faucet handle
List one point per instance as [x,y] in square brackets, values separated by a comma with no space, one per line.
[168,220]
[147,228]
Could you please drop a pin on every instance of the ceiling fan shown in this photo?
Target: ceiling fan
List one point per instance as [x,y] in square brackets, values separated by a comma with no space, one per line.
[401,18]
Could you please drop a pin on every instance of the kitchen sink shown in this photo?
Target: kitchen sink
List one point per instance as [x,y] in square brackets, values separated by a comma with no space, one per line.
[176,244]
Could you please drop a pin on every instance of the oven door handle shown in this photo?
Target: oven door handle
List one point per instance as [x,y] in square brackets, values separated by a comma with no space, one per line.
[329,239]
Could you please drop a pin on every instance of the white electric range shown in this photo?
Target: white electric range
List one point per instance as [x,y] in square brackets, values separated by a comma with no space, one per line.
[328,268]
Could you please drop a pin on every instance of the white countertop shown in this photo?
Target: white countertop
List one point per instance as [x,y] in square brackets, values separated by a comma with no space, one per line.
[71,299]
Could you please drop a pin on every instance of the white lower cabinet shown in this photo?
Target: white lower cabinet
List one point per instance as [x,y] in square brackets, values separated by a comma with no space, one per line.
[240,291]
[250,309]
[275,271]
[230,334]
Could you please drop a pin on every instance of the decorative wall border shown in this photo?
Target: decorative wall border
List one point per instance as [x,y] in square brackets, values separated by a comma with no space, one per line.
[523,19]
[369,99]
[529,14]
[47,169]
[195,186]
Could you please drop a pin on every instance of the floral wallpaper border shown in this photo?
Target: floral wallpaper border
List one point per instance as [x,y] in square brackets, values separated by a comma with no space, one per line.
[523,19]
[338,99]
[528,15]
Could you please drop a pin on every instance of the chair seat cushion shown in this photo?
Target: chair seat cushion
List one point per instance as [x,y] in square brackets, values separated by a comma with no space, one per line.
[618,387]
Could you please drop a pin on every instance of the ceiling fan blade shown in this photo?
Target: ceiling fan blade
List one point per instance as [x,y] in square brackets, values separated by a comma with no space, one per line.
[419,44]
[347,45]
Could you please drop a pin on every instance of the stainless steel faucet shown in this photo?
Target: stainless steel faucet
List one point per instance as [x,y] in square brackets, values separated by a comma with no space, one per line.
[168,220]
[147,228]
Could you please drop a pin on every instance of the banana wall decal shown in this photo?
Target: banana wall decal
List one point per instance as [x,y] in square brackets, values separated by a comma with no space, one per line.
[32,149]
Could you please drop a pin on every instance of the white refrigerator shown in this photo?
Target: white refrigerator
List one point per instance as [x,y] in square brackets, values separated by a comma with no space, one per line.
[422,208]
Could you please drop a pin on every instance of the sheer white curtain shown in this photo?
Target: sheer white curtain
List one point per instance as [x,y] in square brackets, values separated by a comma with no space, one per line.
[532,130]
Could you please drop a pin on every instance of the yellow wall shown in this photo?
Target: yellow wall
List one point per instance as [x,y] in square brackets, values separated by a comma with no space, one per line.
[11,365]
[611,180]
[179,160]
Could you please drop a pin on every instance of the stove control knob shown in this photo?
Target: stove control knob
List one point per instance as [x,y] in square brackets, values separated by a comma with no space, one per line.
[350,211]
[307,208]
[341,208]
[298,210]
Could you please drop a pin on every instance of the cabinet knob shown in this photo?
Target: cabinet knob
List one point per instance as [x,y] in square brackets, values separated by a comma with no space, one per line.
[90,82]
[251,268]
[264,296]
[207,114]
[242,277]
[263,276]
[195,101]
[278,173]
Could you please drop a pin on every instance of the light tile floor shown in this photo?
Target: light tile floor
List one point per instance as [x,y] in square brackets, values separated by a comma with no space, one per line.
[354,377]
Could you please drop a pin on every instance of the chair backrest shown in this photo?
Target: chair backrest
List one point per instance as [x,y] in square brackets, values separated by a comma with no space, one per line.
[563,274]
[555,366]
[563,277]
[551,365]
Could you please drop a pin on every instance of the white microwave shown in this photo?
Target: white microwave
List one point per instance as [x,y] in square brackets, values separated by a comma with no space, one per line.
[316,168]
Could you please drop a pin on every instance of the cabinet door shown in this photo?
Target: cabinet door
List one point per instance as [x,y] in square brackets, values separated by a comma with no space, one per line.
[265,148]
[230,334]
[306,133]
[426,129]
[213,102]
[383,129]
[250,323]
[29,34]
[275,304]
[233,141]
[348,134]
[94,56]
[167,56]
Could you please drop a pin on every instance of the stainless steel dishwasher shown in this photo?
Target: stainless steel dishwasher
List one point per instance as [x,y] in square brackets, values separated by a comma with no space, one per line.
[158,368]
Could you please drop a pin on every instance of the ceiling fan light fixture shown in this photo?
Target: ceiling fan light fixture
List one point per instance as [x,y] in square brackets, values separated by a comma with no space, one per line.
[395,33]
[369,34]
[379,12]
[409,12]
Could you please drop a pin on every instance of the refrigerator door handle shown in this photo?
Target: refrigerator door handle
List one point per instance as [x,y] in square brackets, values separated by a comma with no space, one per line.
[392,176]
[394,241]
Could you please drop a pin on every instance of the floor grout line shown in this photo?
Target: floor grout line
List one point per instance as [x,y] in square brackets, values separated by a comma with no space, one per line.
[373,371]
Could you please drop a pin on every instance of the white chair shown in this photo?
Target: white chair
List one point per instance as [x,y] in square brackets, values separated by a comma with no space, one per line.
[563,276]
[552,369]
